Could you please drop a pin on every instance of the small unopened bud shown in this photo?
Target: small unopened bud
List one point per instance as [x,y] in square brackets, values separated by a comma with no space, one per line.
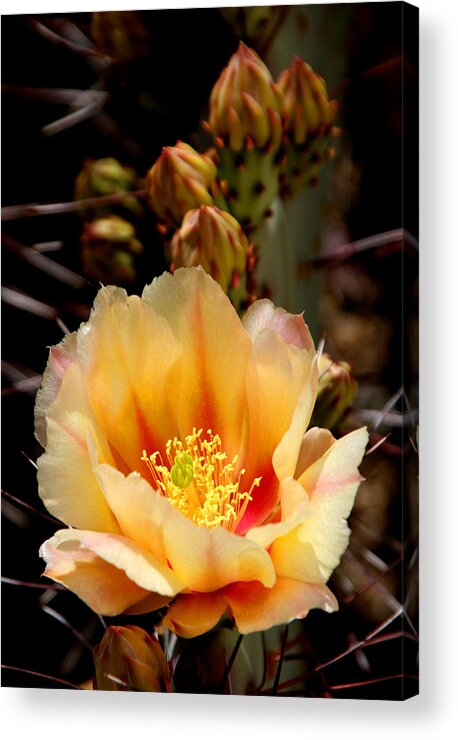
[179,181]
[307,118]
[215,240]
[336,392]
[245,120]
[107,176]
[128,659]
[109,246]
[245,103]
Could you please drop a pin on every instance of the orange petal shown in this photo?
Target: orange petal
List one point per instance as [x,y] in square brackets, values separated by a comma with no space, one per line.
[66,481]
[281,389]
[203,559]
[191,615]
[256,608]
[313,550]
[149,603]
[209,381]
[127,351]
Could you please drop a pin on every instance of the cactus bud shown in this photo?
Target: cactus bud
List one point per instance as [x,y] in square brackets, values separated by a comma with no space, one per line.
[179,181]
[245,121]
[336,392]
[307,116]
[128,659]
[215,240]
[107,177]
[108,248]
[243,100]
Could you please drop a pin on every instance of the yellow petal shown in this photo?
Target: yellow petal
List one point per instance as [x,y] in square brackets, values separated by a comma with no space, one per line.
[208,559]
[66,481]
[295,509]
[203,559]
[60,357]
[286,454]
[313,550]
[139,565]
[314,444]
[255,608]
[103,587]
[209,381]
[191,615]
[139,510]
[126,351]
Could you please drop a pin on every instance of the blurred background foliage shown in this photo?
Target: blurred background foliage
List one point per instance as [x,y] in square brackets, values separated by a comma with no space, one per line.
[87,86]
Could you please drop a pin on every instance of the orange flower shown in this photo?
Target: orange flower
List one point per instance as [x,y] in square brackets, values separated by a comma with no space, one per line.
[175,451]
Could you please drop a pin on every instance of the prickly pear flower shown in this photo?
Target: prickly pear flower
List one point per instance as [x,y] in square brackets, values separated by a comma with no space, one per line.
[307,117]
[178,181]
[336,392]
[215,240]
[129,659]
[177,452]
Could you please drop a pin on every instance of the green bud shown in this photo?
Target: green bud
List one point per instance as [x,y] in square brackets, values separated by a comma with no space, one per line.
[336,392]
[109,246]
[128,659]
[107,176]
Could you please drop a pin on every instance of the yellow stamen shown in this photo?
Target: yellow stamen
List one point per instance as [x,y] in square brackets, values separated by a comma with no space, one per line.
[199,481]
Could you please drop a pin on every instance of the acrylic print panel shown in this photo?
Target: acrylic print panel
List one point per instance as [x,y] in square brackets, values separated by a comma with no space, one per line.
[210,484]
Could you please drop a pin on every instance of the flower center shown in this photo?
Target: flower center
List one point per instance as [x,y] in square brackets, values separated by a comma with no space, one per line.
[199,481]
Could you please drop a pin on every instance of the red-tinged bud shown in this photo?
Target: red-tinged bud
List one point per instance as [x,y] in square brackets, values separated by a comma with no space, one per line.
[307,117]
[179,181]
[213,239]
[245,102]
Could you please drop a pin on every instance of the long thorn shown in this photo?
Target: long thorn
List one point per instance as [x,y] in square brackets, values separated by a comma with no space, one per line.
[280,661]
[230,663]
[40,675]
